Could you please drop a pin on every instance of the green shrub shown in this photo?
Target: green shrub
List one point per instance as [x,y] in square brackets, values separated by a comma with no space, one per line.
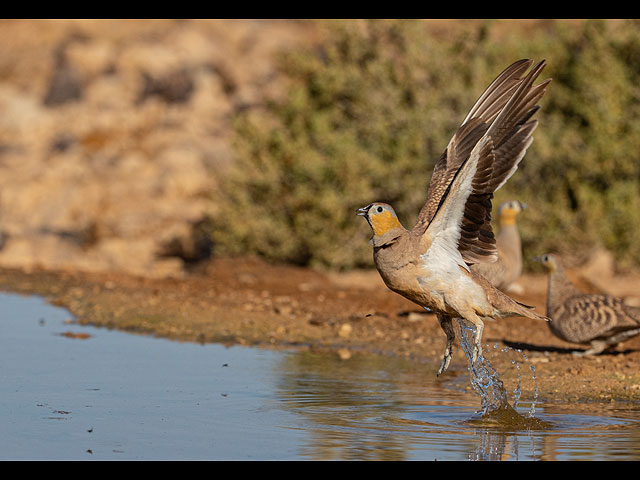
[368,113]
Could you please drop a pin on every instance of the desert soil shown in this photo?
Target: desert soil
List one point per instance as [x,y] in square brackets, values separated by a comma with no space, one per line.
[249,302]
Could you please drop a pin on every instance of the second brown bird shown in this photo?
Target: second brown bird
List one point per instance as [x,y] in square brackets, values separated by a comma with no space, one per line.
[599,320]
[506,270]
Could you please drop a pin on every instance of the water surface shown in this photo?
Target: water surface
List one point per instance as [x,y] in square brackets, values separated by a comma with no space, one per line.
[121,396]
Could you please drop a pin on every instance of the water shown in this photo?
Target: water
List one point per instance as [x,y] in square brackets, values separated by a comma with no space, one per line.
[119,396]
[488,385]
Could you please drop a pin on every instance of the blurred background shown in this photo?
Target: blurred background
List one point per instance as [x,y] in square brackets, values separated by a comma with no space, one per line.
[147,146]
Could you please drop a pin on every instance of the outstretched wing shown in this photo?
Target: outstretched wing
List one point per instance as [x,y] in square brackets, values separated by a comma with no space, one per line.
[501,122]
[445,226]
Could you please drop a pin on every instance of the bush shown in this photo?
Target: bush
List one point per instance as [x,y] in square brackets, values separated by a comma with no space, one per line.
[369,112]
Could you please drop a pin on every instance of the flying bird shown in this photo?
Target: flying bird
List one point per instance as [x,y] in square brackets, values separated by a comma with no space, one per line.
[599,320]
[505,271]
[430,263]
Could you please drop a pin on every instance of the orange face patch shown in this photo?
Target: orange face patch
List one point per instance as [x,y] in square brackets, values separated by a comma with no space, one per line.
[383,222]
[508,216]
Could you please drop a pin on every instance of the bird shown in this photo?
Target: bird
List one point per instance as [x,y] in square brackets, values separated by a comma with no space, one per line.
[504,272]
[429,263]
[598,320]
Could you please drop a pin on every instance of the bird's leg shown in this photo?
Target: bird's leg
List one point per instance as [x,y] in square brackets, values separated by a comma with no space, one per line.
[477,338]
[597,346]
[447,325]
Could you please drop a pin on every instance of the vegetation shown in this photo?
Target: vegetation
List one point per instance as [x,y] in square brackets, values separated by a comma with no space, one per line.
[367,114]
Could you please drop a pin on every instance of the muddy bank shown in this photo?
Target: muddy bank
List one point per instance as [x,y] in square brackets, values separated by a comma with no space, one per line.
[248,302]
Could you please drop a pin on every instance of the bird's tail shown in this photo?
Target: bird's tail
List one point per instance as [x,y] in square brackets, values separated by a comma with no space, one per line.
[505,304]
[529,312]
[633,312]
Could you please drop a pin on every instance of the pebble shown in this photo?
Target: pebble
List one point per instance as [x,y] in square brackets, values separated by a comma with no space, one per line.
[345,330]
[417,317]
[539,360]
[344,354]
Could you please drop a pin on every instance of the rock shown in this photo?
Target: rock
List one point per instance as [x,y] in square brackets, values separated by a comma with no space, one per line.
[418,317]
[344,354]
[345,330]
[110,143]
[92,58]
[174,87]
[65,86]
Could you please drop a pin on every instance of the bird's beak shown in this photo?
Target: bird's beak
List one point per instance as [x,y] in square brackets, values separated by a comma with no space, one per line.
[523,205]
[536,259]
[363,211]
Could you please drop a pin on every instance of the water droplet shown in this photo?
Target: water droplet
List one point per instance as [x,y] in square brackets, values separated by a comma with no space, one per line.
[532,411]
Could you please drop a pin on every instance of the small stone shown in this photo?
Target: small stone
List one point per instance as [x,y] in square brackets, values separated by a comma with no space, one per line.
[417,317]
[283,309]
[344,354]
[345,330]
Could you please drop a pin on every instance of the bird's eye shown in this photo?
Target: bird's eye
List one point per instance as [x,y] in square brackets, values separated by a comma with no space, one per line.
[379,209]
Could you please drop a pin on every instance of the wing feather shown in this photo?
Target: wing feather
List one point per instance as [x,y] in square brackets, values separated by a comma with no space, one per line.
[496,133]
[474,126]
[446,226]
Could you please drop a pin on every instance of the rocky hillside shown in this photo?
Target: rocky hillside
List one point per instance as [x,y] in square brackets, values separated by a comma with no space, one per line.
[112,134]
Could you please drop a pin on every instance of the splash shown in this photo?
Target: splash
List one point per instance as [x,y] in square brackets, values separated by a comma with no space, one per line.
[484,378]
[532,412]
[496,410]
[518,390]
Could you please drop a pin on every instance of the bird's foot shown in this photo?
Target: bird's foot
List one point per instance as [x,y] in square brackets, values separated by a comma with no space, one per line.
[597,347]
[476,353]
[445,363]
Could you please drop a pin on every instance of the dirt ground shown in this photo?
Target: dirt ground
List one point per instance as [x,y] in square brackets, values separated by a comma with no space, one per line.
[246,301]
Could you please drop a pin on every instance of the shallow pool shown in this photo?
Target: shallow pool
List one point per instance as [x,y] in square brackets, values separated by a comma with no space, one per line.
[72,392]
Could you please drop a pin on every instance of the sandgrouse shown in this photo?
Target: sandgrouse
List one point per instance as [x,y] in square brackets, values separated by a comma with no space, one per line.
[599,320]
[429,264]
[504,272]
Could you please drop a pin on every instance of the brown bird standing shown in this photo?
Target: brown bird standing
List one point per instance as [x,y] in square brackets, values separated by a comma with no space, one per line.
[504,272]
[599,320]
[429,264]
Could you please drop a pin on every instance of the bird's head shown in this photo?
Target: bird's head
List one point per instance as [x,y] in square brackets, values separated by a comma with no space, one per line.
[548,261]
[381,217]
[508,211]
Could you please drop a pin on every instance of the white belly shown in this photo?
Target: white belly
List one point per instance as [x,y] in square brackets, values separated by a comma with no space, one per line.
[442,278]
